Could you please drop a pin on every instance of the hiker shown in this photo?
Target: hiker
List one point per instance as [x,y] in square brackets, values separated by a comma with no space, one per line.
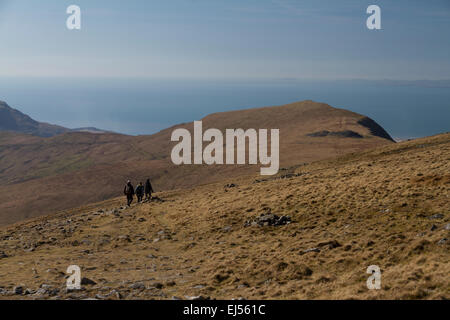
[148,190]
[129,192]
[140,192]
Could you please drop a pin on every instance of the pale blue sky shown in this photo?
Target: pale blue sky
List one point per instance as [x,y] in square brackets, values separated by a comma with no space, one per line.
[262,39]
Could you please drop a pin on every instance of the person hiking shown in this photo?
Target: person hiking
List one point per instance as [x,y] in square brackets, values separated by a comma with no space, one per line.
[129,192]
[140,192]
[148,190]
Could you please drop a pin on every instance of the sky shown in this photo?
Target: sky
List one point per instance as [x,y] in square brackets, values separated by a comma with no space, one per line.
[244,39]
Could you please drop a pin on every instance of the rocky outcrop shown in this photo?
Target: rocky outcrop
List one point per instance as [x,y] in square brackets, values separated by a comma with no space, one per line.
[375,128]
[341,134]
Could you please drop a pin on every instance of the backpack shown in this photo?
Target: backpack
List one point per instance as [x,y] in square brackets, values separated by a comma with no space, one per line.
[129,190]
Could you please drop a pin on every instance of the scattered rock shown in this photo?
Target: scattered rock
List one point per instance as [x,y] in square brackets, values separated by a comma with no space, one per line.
[323,279]
[125,238]
[330,244]
[115,294]
[19,290]
[137,286]
[309,250]
[421,234]
[221,277]
[28,291]
[341,134]
[199,286]
[157,199]
[158,285]
[88,282]
[46,290]
[259,181]
[436,216]
[443,241]
[269,219]
[290,175]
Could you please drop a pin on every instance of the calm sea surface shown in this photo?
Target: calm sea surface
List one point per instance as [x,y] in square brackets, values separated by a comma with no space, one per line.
[140,106]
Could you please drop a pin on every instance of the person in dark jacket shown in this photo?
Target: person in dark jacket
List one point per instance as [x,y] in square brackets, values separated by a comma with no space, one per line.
[129,192]
[148,190]
[140,192]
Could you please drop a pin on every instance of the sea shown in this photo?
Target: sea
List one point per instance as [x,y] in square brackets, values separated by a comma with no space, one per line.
[138,106]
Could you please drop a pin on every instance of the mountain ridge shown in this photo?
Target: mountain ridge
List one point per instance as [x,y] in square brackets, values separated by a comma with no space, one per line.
[13,120]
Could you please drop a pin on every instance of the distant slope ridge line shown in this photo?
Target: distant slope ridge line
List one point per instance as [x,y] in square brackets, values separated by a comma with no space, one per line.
[15,121]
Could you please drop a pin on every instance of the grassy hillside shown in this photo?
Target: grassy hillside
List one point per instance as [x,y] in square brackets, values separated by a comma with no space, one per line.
[387,206]
[41,175]
[50,174]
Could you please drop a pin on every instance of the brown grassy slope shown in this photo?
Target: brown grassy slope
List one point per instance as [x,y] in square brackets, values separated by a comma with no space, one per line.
[387,207]
[40,175]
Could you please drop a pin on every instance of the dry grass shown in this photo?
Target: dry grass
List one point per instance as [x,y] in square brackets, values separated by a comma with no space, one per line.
[44,175]
[377,205]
